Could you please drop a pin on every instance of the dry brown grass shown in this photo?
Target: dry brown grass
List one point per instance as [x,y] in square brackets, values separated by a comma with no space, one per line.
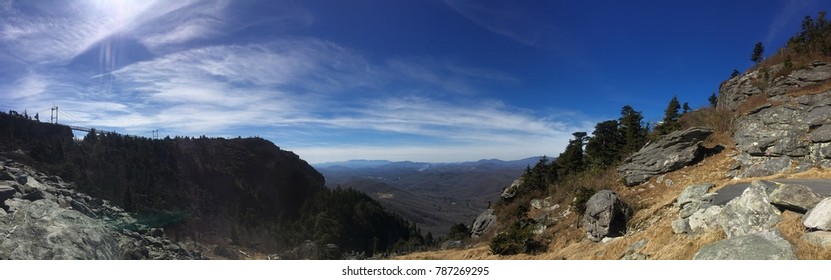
[792,229]
[754,102]
[651,221]
[720,120]
[811,89]
[798,60]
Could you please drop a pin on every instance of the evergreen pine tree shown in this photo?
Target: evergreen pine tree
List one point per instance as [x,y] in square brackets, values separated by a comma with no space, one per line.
[603,148]
[758,51]
[571,160]
[670,121]
[713,100]
[632,130]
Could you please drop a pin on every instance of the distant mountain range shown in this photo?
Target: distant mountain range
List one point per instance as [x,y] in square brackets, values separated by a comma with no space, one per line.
[433,195]
[484,163]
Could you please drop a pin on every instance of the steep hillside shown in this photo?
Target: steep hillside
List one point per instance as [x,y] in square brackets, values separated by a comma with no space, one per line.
[242,192]
[770,123]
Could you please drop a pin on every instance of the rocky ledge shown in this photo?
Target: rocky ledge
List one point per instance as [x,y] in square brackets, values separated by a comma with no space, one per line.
[672,152]
[784,125]
[43,218]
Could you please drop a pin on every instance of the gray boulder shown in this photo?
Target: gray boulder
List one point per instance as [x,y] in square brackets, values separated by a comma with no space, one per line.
[41,230]
[818,238]
[633,252]
[546,204]
[749,213]
[796,198]
[510,191]
[672,152]
[6,192]
[767,245]
[819,217]
[606,216]
[691,208]
[680,226]
[705,220]
[693,193]
[692,200]
[484,222]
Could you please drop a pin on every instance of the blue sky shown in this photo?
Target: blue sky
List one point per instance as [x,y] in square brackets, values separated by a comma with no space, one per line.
[421,80]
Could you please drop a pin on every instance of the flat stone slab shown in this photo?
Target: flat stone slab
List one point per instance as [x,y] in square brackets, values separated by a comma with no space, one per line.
[768,245]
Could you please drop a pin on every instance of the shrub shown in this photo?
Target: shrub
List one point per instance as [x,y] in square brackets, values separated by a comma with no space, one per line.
[458,231]
[719,120]
[519,238]
[581,197]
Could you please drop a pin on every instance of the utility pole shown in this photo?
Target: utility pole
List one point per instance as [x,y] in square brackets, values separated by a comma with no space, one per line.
[54,117]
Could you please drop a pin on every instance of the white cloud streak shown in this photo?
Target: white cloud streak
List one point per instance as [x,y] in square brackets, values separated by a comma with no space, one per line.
[290,88]
[506,19]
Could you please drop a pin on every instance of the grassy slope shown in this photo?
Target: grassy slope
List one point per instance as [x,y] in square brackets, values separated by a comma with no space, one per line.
[652,221]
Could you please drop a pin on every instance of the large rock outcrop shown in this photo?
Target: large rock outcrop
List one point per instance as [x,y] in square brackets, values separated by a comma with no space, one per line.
[784,123]
[41,230]
[44,218]
[672,152]
[606,216]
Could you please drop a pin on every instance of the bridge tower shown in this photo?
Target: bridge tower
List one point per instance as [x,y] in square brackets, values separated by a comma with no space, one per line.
[54,117]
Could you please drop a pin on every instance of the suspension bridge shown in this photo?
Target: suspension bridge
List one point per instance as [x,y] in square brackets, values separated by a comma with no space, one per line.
[79,125]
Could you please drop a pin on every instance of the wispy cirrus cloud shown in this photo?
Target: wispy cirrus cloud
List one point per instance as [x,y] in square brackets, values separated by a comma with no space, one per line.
[508,19]
[321,99]
[298,89]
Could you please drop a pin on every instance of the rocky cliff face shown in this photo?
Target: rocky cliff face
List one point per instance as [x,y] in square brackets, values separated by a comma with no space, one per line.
[783,120]
[43,218]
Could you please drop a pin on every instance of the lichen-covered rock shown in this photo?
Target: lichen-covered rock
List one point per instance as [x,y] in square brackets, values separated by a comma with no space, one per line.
[41,230]
[796,198]
[693,193]
[483,223]
[511,191]
[749,213]
[783,133]
[606,216]
[672,152]
[693,201]
[767,245]
[680,226]
[705,220]
[41,223]
[764,166]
